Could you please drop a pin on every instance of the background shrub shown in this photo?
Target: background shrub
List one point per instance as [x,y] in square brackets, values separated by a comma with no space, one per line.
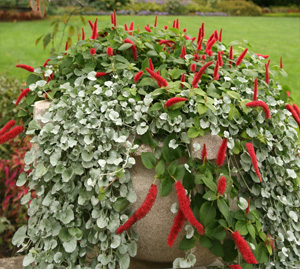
[175,7]
[239,8]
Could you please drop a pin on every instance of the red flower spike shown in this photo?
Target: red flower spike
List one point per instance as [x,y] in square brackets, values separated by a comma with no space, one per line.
[109,51]
[210,38]
[147,29]
[296,108]
[177,23]
[184,204]
[255,90]
[203,57]
[248,207]
[25,67]
[92,51]
[268,63]
[133,48]
[288,94]
[83,34]
[160,80]
[216,71]
[131,26]
[7,127]
[216,35]
[281,65]
[91,25]
[235,266]
[204,153]
[203,30]
[138,76]
[174,100]
[184,30]
[199,35]
[183,52]
[95,32]
[199,46]
[166,27]
[158,83]
[261,104]
[22,95]
[221,185]
[222,153]
[100,74]
[264,56]
[196,57]
[267,74]
[115,18]
[251,152]
[67,45]
[176,227]
[220,35]
[46,63]
[174,24]
[151,64]
[193,68]
[220,60]
[132,220]
[294,113]
[155,22]
[182,80]
[244,248]
[125,27]
[241,57]
[11,134]
[230,56]
[198,75]
[210,45]
[112,18]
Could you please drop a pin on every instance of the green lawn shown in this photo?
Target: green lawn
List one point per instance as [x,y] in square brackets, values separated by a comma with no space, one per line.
[274,36]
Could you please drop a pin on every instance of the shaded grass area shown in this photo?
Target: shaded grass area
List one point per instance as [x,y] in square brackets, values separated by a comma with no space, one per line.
[274,36]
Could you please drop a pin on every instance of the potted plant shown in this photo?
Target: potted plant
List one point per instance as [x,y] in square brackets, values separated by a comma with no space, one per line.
[125,100]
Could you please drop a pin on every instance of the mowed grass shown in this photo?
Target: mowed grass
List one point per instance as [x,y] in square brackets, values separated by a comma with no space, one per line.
[273,36]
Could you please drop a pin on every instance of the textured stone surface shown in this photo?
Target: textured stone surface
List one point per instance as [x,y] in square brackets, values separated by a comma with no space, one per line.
[39,109]
[12,263]
[213,142]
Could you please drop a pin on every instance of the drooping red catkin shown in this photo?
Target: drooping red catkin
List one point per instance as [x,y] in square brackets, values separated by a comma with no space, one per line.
[193,67]
[22,95]
[160,80]
[151,64]
[252,154]
[91,25]
[261,104]
[25,67]
[198,75]
[83,34]
[222,152]
[100,74]
[174,100]
[182,80]
[281,65]
[155,22]
[220,35]
[183,52]
[244,248]
[241,57]
[248,207]
[255,90]
[142,211]
[220,60]
[46,63]
[138,75]
[7,127]
[216,71]
[166,42]
[235,266]
[93,51]
[133,48]
[11,134]
[221,185]
[109,51]
[147,28]
[294,113]
[204,153]
[184,204]
[176,227]
[296,108]
[264,56]
[230,56]
[95,32]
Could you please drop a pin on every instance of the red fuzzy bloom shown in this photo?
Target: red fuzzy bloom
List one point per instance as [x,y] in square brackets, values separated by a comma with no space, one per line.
[112,18]
[174,100]
[267,74]
[11,134]
[176,228]
[126,27]
[183,52]
[255,90]
[264,56]
[147,29]
[25,67]
[296,108]
[184,204]
[131,26]
[209,46]
[155,22]
[46,63]
[281,65]
[199,46]
[184,30]
[230,56]
[138,76]
[92,51]
[100,74]
[91,25]
[251,152]
[109,51]
[261,104]
[204,153]
[151,64]
[220,35]
[294,113]
[83,34]
[196,57]
[216,35]
[182,80]
[222,152]
[203,57]
[166,27]
[95,32]
[220,60]
[177,23]
[203,29]
[133,48]
[115,18]
[221,185]
[199,35]
[132,220]
[244,248]
[22,95]
[268,63]
[241,57]
[198,75]
[7,127]
[193,67]
[216,71]
[288,94]
[160,80]
[235,266]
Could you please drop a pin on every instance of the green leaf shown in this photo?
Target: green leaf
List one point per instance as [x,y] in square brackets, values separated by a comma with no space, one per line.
[64,235]
[217,248]
[125,46]
[150,46]
[120,204]
[187,244]
[32,78]
[170,154]
[261,253]
[233,94]
[210,196]
[176,73]
[67,174]
[233,112]
[40,170]
[207,179]
[223,207]
[156,107]
[22,179]
[194,132]
[19,236]
[251,230]
[148,160]
[207,213]
[160,167]
[102,194]
[205,241]
[201,109]
[166,186]
[180,172]
[46,40]
[70,246]
[230,251]
[152,53]
[241,227]
[38,39]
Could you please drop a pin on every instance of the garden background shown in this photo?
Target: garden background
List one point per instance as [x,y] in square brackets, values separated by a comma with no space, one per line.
[269,27]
